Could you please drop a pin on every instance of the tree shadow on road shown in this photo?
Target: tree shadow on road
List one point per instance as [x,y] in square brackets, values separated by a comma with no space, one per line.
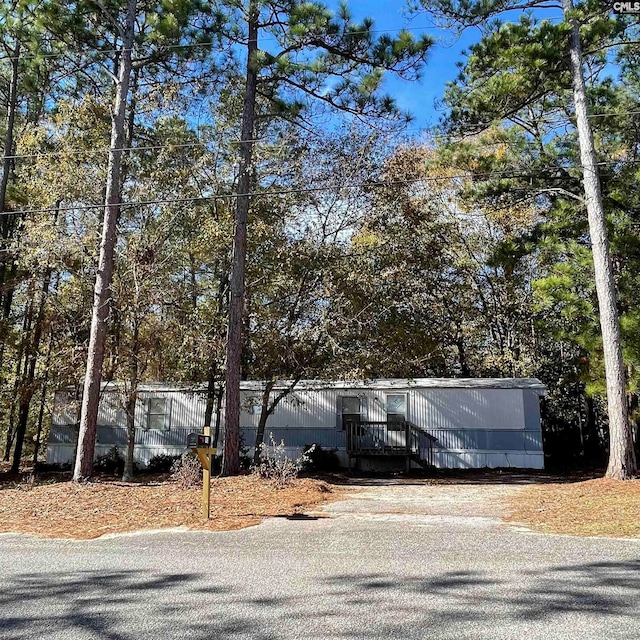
[135,605]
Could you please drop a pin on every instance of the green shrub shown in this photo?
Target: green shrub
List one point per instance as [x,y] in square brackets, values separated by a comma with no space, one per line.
[162,463]
[319,459]
[111,462]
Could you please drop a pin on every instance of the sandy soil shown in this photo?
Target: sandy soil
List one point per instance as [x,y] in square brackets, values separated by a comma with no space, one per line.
[68,510]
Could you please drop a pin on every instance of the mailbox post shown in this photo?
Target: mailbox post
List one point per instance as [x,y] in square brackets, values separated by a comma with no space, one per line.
[201,445]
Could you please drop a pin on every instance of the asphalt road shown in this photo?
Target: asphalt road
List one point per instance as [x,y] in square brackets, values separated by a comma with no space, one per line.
[377,568]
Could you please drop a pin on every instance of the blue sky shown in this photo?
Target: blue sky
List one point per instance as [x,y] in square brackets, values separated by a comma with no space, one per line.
[420,98]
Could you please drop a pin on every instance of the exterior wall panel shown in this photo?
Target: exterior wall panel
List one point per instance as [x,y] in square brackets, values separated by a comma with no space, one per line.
[485,423]
[531,403]
[468,408]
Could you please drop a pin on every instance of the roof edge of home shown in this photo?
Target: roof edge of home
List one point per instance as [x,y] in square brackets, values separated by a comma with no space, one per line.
[355,384]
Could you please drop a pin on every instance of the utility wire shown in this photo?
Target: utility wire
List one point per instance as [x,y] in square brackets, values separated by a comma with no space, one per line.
[158,147]
[187,145]
[278,192]
[155,147]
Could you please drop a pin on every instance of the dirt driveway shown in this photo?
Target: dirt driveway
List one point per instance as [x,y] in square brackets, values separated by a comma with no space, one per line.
[468,501]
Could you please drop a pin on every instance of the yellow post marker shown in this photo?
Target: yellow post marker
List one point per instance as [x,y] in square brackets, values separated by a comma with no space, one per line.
[200,444]
[206,478]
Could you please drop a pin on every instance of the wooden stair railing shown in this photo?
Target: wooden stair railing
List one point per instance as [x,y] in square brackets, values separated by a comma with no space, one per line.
[390,438]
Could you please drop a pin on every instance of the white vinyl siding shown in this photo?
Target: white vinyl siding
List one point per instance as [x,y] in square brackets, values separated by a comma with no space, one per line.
[478,423]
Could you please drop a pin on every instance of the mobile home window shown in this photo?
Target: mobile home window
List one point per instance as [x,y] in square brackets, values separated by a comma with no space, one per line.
[396,407]
[351,410]
[158,414]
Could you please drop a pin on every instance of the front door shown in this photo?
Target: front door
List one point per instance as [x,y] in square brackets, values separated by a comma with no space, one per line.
[351,410]
[396,408]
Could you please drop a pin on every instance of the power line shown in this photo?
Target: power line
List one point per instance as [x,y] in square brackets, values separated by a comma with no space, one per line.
[187,145]
[158,147]
[277,192]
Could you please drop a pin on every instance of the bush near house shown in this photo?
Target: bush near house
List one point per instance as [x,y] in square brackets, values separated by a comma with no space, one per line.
[111,462]
[321,460]
[276,465]
[162,463]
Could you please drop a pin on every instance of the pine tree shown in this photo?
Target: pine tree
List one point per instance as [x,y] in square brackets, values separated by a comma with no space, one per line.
[465,13]
[318,59]
[142,24]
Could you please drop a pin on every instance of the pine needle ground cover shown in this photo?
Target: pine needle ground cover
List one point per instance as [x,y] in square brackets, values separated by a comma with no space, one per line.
[67,510]
[599,507]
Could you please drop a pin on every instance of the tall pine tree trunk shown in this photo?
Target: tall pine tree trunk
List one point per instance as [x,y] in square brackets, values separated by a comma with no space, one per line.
[212,378]
[21,360]
[102,290]
[132,401]
[7,220]
[231,456]
[622,459]
[216,431]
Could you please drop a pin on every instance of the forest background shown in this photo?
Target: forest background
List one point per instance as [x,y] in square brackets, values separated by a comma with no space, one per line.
[376,247]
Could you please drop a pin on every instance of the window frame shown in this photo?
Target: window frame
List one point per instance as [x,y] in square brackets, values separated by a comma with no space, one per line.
[165,414]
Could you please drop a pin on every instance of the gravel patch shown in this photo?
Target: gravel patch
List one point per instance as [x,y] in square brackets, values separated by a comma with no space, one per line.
[428,498]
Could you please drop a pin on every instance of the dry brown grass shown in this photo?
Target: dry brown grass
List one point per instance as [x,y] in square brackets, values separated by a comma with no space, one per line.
[599,507]
[67,510]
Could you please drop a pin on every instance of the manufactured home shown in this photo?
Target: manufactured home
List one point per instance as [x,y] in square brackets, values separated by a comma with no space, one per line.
[375,424]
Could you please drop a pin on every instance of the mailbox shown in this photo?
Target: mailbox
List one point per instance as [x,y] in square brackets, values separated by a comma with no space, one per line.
[198,441]
[201,445]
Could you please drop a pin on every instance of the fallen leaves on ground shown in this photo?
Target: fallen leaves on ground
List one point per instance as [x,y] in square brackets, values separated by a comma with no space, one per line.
[601,507]
[84,511]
